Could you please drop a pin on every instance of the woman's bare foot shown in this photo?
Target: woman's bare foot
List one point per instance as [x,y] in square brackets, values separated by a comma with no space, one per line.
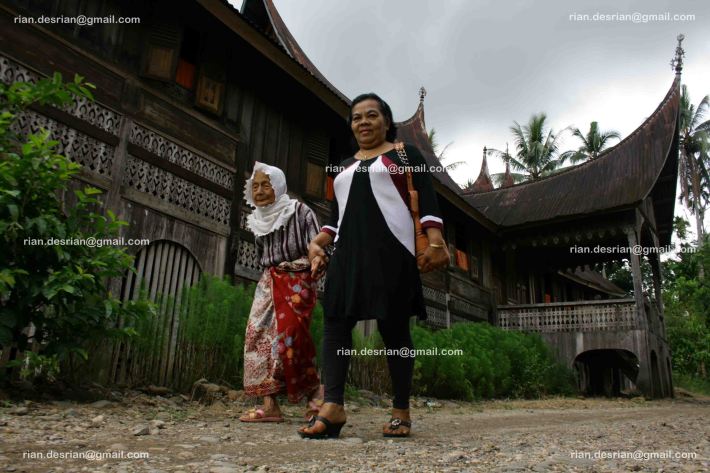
[403,430]
[314,403]
[335,413]
[270,408]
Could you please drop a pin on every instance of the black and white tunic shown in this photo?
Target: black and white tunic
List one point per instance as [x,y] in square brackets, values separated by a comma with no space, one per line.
[373,272]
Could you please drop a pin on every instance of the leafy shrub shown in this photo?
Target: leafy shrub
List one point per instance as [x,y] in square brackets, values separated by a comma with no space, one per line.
[495,363]
[212,322]
[59,290]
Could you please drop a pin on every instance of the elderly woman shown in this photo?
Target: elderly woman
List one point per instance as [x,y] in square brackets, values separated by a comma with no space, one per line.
[279,355]
[373,272]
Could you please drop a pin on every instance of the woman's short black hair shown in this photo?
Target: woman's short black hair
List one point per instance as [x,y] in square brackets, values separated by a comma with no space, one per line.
[384,108]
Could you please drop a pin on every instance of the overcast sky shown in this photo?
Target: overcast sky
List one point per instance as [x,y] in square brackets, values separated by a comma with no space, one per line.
[486,63]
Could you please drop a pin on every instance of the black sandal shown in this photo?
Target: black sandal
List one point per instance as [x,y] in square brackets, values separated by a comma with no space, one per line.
[332,429]
[395,424]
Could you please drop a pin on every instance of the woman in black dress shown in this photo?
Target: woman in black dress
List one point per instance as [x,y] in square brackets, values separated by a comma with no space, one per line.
[373,271]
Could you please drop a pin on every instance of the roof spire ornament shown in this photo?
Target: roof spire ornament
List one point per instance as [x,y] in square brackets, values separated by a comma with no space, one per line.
[422,94]
[483,182]
[677,61]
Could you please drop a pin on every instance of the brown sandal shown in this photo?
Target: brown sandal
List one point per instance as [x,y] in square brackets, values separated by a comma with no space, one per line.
[258,415]
[395,424]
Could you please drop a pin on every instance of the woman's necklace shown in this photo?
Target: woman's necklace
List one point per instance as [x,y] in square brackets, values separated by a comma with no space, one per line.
[362,156]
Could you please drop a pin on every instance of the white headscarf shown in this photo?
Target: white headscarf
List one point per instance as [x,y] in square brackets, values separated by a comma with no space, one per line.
[266,219]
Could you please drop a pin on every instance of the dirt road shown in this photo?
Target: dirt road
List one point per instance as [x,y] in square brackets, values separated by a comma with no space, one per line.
[546,435]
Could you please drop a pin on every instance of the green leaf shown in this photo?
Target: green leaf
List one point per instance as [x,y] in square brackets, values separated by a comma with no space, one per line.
[81,352]
[69,289]
[7,277]
[14,211]
[9,319]
[5,337]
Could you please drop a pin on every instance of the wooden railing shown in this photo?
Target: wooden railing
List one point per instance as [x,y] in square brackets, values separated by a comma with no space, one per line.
[582,316]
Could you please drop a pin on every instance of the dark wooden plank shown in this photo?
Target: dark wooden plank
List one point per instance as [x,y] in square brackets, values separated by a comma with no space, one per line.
[295,157]
[178,170]
[47,53]
[258,127]
[175,122]
[282,151]
[271,136]
[77,123]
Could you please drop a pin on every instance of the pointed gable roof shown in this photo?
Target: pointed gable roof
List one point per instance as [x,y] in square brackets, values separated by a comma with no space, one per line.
[483,182]
[644,163]
[507,177]
[264,14]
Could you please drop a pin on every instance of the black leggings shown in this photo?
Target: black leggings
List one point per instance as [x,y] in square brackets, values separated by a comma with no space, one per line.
[337,335]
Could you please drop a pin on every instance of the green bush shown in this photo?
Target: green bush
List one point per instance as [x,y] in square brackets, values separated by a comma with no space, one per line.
[686,299]
[367,371]
[495,364]
[61,290]
[212,325]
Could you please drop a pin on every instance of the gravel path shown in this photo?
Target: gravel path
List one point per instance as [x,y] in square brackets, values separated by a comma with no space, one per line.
[541,436]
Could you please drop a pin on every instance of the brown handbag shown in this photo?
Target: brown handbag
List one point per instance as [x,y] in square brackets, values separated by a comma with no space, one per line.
[421,242]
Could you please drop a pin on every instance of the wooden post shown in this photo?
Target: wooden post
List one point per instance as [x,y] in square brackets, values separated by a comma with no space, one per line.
[655,260]
[236,210]
[636,273]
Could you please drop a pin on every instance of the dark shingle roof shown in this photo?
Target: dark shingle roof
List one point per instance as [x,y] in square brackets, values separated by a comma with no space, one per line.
[622,176]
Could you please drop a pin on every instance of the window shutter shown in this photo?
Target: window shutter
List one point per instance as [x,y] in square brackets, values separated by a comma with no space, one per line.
[318,146]
[210,93]
[160,57]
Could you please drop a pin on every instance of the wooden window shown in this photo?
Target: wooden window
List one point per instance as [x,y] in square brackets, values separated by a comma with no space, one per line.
[315,180]
[498,289]
[209,94]
[475,263]
[187,62]
[185,75]
[160,62]
[461,259]
[160,58]
[318,149]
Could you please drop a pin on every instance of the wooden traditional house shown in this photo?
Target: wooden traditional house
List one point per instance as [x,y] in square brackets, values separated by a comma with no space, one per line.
[186,100]
[189,98]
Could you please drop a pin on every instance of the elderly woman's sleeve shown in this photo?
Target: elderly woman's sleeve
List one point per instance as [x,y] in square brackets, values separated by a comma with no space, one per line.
[259,244]
[310,223]
[429,213]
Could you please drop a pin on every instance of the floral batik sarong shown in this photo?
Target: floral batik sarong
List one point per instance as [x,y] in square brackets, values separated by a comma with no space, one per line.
[279,355]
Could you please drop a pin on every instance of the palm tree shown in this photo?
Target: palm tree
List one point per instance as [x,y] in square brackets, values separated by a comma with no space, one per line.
[536,148]
[440,156]
[694,151]
[593,143]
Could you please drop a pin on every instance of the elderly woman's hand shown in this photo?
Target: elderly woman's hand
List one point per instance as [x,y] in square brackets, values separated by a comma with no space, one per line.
[318,259]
